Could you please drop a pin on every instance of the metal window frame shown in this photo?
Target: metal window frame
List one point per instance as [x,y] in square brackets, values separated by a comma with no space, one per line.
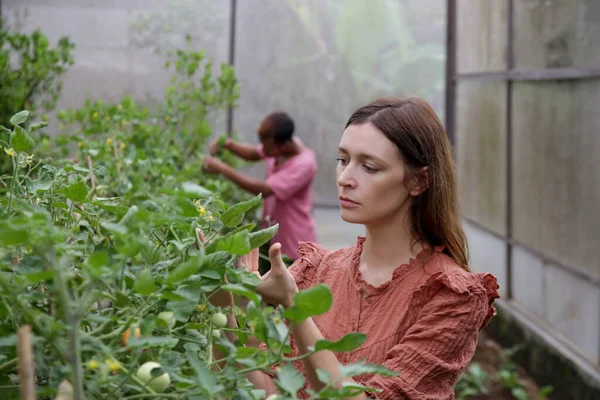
[232,25]
[510,75]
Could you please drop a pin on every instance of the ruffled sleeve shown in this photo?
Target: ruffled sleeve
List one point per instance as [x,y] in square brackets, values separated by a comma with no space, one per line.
[304,269]
[448,310]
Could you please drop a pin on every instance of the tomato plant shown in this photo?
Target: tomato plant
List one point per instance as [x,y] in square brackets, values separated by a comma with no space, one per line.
[99,255]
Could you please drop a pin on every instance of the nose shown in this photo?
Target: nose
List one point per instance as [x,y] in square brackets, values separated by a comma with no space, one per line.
[345,179]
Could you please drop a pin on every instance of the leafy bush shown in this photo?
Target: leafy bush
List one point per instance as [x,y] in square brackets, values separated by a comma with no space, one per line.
[98,253]
[31,72]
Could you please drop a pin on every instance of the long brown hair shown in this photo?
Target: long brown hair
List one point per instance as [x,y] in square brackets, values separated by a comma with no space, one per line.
[412,125]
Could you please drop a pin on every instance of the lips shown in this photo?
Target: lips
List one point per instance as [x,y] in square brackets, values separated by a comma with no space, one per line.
[348,203]
[347,200]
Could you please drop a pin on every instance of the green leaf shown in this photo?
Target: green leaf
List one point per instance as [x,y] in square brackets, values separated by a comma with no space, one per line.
[323,375]
[216,261]
[182,309]
[347,390]
[188,268]
[11,235]
[234,215]
[545,392]
[349,342]
[98,259]
[35,277]
[211,274]
[242,276]
[519,393]
[60,205]
[9,341]
[115,228]
[247,227]
[204,377]
[19,118]
[72,168]
[195,189]
[144,283]
[289,379]
[152,341]
[111,208]
[242,291]
[261,237]
[309,303]
[36,187]
[76,191]
[237,243]
[361,367]
[20,139]
[37,125]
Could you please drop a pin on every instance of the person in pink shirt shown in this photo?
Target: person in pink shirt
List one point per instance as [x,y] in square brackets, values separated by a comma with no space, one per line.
[290,170]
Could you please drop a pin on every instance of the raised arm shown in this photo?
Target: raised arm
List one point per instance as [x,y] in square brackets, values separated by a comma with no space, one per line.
[243,150]
[279,287]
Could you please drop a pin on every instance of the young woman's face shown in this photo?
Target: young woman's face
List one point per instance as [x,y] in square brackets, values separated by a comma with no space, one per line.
[370,176]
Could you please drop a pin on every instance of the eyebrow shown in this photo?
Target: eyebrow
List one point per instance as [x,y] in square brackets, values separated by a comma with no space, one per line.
[364,156]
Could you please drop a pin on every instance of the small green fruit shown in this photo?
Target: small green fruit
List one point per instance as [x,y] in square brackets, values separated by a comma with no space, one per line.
[158,384]
[219,320]
[167,318]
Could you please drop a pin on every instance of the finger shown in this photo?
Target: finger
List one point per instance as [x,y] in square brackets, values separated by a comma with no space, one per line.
[275,258]
[254,259]
[242,261]
[200,235]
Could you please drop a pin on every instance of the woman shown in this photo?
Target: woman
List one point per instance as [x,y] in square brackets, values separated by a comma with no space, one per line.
[406,284]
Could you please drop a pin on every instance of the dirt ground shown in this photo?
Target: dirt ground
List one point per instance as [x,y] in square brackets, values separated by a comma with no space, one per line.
[492,358]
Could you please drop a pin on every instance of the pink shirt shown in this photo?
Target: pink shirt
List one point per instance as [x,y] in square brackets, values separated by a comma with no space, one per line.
[290,205]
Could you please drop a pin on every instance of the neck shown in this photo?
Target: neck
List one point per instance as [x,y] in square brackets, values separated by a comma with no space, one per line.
[390,243]
[290,149]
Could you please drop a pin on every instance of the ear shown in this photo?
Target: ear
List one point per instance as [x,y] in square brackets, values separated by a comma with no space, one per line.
[419,182]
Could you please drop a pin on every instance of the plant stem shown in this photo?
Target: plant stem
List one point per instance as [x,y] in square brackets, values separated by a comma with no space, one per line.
[9,364]
[72,321]
[70,213]
[150,396]
[209,349]
[285,339]
[33,319]
[32,169]
[327,386]
[12,183]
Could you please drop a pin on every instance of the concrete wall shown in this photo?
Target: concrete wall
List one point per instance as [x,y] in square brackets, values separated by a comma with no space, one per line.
[113,56]
[318,60]
[555,161]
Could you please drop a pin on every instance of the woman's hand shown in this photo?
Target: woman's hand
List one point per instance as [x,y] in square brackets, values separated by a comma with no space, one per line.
[278,285]
[223,298]
[250,261]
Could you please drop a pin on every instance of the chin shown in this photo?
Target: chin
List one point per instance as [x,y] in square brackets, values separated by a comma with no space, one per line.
[351,216]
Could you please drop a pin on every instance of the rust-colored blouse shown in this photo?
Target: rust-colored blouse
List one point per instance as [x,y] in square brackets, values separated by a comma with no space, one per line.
[423,323]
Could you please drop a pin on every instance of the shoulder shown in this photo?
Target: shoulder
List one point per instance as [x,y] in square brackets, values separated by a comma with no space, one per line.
[307,158]
[445,279]
[314,259]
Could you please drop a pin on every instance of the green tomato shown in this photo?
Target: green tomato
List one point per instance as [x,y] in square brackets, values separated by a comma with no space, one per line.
[219,320]
[158,384]
[216,334]
[167,318]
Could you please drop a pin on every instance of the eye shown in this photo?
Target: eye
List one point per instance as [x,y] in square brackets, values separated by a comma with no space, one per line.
[342,161]
[369,169]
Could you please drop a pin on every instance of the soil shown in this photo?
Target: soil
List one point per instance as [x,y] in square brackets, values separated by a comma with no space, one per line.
[491,356]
